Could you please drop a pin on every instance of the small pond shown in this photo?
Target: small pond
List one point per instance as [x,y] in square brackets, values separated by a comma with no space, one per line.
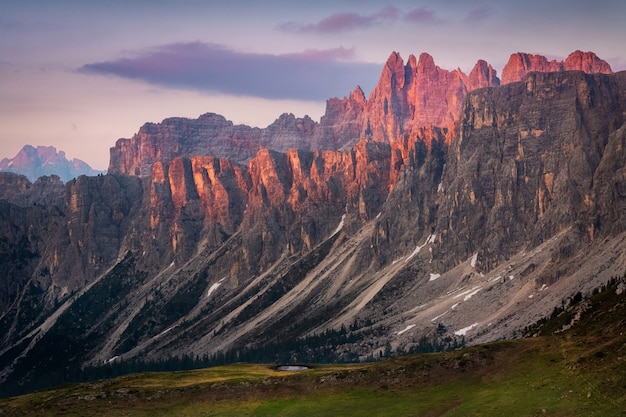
[292,368]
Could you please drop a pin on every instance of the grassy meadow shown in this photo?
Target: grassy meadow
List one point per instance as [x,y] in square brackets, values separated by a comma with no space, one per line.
[577,372]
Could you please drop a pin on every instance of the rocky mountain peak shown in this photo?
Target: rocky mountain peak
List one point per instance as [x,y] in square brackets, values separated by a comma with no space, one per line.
[426,64]
[587,62]
[482,75]
[520,64]
[34,162]
[358,95]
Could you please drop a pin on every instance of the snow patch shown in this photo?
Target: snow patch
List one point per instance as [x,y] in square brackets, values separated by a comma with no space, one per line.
[454,290]
[338,229]
[434,277]
[474,259]
[531,295]
[470,295]
[214,287]
[464,330]
[543,287]
[415,252]
[112,359]
[495,279]
[172,264]
[409,327]
[472,291]
[439,316]
[454,306]
[511,277]
[440,187]
[378,215]
[167,330]
[418,248]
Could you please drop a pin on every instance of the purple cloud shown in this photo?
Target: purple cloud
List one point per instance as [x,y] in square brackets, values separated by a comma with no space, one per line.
[309,75]
[341,22]
[420,15]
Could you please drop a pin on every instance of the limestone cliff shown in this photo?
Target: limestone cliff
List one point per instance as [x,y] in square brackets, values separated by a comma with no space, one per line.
[520,64]
[441,203]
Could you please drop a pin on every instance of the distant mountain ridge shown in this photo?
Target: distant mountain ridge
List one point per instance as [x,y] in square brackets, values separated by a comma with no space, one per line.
[34,162]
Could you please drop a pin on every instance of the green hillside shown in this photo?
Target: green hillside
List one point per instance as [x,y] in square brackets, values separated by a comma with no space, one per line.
[579,371]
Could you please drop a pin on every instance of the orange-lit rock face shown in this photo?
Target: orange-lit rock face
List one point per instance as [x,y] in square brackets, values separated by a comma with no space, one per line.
[420,95]
[520,64]
[222,188]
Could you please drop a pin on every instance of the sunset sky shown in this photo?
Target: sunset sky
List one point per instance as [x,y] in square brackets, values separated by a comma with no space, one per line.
[78,75]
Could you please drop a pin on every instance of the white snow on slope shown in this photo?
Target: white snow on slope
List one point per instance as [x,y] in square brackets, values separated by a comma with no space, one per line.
[418,248]
[468,296]
[338,229]
[468,292]
[434,277]
[464,330]
[214,287]
[474,259]
[167,330]
[438,317]
[409,327]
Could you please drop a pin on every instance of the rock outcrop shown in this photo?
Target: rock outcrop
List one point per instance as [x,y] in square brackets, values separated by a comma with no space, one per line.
[525,164]
[520,64]
[407,98]
[210,134]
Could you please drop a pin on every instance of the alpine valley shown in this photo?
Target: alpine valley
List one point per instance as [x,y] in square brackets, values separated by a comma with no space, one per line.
[442,209]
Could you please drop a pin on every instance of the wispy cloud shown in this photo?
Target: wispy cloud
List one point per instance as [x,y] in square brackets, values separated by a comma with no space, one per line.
[421,15]
[308,75]
[344,22]
[478,14]
[341,22]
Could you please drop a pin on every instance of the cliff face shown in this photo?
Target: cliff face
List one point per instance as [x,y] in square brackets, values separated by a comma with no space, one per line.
[282,200]
[524,164]
[210,134]
[406,99]
[520,64]
[394,210]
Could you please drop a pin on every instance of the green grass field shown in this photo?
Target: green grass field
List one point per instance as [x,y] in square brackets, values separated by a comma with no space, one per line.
[579,372]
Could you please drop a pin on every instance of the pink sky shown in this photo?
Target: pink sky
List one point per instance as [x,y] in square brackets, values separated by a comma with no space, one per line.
[79,75]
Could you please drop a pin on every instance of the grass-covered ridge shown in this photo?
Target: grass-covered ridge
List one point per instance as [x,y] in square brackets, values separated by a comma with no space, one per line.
[580,371]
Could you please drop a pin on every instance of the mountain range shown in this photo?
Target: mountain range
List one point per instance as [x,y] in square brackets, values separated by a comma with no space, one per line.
[45,160]
[443,205]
